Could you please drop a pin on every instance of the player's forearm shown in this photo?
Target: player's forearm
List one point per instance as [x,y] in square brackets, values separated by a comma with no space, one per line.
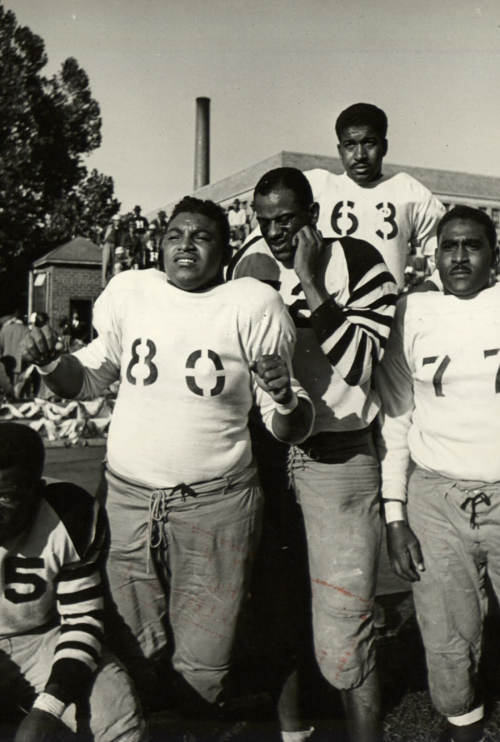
[350,348]
[66,379]
[314,291]
[394,455]
[295,426]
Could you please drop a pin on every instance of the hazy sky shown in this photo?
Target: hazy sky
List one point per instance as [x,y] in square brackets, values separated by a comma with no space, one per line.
[278,73]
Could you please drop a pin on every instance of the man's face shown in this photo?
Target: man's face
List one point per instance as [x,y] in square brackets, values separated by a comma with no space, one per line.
[194,251]
[280,217]
[362,150]
[17,501]
[464,257]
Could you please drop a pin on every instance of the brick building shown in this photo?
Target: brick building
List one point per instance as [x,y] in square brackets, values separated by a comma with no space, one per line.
[450,187]
[67,279]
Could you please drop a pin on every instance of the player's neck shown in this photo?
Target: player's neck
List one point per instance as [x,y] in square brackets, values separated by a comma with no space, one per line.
[370,183]
[213,283]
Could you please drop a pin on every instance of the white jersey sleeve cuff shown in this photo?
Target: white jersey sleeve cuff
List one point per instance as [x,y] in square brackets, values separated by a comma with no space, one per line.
[394,510]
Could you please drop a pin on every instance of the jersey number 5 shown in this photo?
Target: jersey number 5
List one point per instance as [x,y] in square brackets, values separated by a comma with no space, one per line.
[13,575]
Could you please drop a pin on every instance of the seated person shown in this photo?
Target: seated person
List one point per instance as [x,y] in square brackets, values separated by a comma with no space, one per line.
[51,605]
[440,390]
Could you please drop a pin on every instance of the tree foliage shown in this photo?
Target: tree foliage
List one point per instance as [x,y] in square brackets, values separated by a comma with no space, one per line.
[86,210]
[48,125]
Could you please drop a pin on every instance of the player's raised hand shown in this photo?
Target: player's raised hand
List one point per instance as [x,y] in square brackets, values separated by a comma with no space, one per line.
[272,375]
[41,346]
[309,252]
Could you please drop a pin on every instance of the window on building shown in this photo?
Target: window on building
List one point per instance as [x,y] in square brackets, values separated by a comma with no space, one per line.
[495,215]
[40,292]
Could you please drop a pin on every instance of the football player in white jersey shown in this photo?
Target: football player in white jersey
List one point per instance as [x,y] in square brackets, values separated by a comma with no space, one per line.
[391,213]
[440,387]
[183,500]
[341,297]
[51,606]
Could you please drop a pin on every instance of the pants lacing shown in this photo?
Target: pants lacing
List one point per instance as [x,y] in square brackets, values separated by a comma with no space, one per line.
[475,497]
[159,509]
[296,460]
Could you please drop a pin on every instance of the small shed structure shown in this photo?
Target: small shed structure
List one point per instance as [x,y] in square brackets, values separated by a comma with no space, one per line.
[68,278]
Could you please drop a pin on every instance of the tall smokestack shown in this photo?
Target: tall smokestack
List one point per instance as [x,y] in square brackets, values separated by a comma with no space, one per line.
[202,143]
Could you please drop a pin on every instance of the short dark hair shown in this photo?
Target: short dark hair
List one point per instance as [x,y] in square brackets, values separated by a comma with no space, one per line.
[286,177]
[470,214]
[20,445]
[191,205]
[362,114]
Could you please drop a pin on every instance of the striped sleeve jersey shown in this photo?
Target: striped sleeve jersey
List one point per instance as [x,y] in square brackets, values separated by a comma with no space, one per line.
[339,344]
[49,574]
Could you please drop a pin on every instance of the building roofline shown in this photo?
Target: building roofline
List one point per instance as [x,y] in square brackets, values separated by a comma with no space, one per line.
[446,183]
[42,261]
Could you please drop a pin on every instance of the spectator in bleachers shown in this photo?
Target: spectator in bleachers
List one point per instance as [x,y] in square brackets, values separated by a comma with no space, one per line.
[131,244]
[248,216]
[161,224]
[112,237]
[150,248]
[237,219]
[140,222]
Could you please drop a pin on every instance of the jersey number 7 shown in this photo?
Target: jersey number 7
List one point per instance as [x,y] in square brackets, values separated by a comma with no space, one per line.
[437,379]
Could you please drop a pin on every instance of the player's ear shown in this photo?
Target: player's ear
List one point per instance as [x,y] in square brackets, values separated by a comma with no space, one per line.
[495,257]
[436,255]
[314,213]
[385,147]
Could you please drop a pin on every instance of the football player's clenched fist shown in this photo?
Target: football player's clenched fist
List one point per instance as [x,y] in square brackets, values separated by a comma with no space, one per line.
[41,346]
[273,376]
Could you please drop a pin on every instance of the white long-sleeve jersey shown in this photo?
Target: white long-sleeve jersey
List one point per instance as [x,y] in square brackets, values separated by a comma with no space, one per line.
[391,214]
[181,415]
[439,383]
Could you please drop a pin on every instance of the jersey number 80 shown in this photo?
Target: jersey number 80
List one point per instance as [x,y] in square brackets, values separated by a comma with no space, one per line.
[206,377]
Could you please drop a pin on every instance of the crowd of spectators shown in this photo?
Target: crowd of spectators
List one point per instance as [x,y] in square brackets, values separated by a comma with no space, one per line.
[132,242]
[17,378]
